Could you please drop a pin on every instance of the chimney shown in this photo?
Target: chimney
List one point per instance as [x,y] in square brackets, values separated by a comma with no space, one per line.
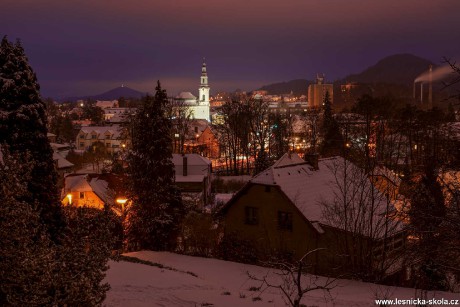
[184,166]
[312,159]
[421,92]
[430,87]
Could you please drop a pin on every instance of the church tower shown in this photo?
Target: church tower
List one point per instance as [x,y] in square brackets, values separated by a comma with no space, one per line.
[203,94]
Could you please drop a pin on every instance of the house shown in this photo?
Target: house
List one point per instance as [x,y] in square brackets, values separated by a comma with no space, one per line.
[103,104]
[296,206]
[118,115]
[209,138]
[193,177]
[111,136]
[92,190]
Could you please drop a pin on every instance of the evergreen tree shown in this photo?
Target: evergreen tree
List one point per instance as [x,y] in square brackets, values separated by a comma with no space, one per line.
[327,115]
[23,129]
[333,140]
[66,130]
[26,254]
[156,209]
[84,252]
[46,258]
[427,212]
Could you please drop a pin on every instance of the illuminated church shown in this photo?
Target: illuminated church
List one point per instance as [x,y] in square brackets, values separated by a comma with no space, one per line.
[198,105]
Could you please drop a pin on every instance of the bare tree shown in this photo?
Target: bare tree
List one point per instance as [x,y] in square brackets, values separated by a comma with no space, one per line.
[455,77]
[181,115]
[368,219]
[292,280]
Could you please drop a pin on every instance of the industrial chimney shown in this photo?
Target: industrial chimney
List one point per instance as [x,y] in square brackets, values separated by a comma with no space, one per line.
[430,87]
[421,92]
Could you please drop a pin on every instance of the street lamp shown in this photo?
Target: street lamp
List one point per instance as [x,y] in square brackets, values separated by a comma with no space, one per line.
[69,196]
[122,202]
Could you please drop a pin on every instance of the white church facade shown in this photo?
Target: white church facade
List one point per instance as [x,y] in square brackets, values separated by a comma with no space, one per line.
[199,106]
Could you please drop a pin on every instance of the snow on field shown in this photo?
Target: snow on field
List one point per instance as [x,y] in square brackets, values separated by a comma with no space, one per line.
[224,283]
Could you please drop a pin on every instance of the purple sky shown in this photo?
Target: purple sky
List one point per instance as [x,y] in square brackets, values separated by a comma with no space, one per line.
[80,47]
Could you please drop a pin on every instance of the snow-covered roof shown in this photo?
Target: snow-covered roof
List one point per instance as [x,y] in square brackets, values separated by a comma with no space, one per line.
[62,162]
[102,131]
[100,188]
[196,165]
[192,159]
[103,185]
[76,183]
[186,96]
[309,189]
[288,160]
[59,147]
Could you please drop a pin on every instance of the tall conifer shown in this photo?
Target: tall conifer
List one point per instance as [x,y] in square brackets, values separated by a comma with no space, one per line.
[156,208]
[23,129]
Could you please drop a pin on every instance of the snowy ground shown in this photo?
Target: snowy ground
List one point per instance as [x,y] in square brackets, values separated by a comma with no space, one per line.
[223,283]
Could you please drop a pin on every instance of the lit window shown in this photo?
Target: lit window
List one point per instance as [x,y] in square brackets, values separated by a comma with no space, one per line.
[251,215]
[285,220]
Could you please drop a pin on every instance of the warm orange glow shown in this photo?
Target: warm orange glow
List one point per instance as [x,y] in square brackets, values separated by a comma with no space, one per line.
[69,196]
[121,201]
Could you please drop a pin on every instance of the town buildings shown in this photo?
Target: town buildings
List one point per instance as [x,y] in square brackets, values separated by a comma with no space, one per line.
[317,92]
[112,137]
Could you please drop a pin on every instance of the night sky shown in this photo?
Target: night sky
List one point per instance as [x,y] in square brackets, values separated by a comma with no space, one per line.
[90,46]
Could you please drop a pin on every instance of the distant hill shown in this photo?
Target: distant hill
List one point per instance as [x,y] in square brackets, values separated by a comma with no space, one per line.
[396,69]
[121,91]
[298,87]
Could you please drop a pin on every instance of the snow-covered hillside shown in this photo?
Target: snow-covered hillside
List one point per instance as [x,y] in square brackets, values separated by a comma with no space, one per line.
[224,283]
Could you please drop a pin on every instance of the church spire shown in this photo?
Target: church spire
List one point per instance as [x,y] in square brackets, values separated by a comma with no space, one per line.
[204,75]
[203,96]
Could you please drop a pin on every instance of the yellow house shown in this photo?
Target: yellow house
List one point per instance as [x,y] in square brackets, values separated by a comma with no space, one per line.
[91,190]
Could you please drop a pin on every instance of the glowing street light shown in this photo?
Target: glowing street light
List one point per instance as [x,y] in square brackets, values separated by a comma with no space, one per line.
[69,196]
[122,202]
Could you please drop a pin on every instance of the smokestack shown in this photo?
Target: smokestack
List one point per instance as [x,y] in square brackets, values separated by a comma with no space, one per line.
[421,92]
[184,166]
[430,87]
[312,159]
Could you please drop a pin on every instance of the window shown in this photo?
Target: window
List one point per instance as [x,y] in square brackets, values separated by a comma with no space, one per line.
[93,136]
[107,145]
[82,195]
[82,136]
[285,220]
[251,215]
[203,98]
[82,144]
